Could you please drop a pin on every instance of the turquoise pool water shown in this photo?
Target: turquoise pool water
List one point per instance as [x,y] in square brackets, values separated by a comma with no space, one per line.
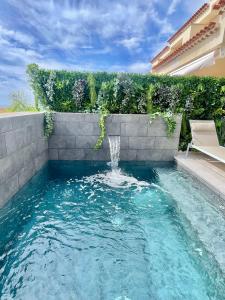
[78,230]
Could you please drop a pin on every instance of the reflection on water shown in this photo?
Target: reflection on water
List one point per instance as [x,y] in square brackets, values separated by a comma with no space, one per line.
[116,178]
[87,231]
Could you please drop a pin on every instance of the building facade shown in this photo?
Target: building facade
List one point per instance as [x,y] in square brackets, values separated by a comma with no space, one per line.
[198,47]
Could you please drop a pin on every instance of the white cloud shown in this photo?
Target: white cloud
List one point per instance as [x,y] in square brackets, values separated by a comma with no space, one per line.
[166,29]
[62,34]
[191,6]
[13,78]
[22,55]
[139,67]
[56,65]
[70,26]
[16,35]
[173,6]
[165,26]
[130,43]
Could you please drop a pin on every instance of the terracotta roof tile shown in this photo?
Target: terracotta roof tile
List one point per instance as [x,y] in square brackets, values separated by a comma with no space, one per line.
[219,5]
[160,53]
[201,35]
[191,20]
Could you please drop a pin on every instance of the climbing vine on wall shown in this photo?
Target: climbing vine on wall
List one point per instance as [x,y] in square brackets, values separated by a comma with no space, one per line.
[194,97]
[102,120]
[48,123]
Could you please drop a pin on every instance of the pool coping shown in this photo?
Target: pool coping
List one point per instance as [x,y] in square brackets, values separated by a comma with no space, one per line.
[208,171]
[19,114]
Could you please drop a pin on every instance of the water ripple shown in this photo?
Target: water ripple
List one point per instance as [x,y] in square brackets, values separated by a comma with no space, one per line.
[105,236]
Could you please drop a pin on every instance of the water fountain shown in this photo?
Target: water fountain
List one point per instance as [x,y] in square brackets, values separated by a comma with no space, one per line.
[116,178]
[114,145]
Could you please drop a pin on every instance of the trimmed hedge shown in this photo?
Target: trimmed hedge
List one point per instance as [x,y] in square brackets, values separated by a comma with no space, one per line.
[70,91]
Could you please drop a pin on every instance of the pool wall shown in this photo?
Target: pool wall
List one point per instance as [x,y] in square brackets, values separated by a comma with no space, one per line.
[75,135]
[23,151]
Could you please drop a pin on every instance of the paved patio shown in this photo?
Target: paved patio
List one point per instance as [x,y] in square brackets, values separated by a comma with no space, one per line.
[207,170]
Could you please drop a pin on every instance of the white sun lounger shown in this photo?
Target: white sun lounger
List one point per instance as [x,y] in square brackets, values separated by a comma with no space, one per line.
[205,140]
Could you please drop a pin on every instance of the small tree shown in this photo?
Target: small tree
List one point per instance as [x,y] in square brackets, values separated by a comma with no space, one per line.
[92,90]
[20,103]
[32,72]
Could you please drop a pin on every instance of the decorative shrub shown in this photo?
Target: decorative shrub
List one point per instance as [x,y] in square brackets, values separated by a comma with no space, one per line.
[78,92]
[194,97]
[105,97]
[48,123]
[167,97]
[124,94]
[92,91]
[49,87]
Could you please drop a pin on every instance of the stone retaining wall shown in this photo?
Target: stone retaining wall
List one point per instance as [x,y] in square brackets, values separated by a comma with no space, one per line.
[75,135]
[23,151]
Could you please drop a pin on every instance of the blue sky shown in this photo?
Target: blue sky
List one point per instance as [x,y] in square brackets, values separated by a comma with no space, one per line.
[111,35]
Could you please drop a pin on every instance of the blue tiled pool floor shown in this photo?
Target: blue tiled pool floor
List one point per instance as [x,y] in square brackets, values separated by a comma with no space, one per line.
[79,230]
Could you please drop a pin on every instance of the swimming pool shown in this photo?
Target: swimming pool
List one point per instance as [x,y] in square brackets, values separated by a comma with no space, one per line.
[79,230]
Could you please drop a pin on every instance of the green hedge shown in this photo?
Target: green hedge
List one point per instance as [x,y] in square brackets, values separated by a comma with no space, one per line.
[70,91]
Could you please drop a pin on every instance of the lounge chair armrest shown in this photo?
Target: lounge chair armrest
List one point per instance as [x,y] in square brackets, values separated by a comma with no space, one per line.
[188,148]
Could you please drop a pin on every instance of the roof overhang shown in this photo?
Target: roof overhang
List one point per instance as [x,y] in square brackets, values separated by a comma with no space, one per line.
[198,64]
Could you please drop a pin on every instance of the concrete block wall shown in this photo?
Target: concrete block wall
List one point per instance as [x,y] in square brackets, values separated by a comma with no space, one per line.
[75,136]
[23,151]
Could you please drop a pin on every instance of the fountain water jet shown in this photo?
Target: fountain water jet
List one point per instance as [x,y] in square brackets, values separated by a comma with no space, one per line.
[114,145]
[116,178]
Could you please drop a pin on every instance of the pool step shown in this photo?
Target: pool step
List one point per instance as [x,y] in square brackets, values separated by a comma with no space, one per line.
[202,210]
